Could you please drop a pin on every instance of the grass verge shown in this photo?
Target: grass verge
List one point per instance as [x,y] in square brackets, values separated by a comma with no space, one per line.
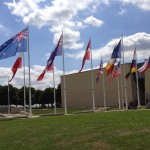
[93,131]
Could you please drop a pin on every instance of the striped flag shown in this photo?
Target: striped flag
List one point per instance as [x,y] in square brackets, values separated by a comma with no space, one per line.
[116,72]
[133,66]
[100,71]
[145,66]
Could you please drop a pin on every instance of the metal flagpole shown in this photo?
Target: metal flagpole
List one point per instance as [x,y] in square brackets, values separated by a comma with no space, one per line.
[65,103]
[54,91]
[104,89]
[125,86]
[93,94]
[8,98]
[24,84]
[137,83]
[122,91]
[118,90]
[121,60]
[30,103]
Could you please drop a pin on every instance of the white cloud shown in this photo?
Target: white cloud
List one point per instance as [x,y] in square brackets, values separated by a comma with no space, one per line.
[141,40]
[122,11]
[106,2]
[35,72]
[58,15]
[23,7]
[142,4]
[93,21]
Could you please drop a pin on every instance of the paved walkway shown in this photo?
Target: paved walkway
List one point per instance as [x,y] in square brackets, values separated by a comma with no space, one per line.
[12,116]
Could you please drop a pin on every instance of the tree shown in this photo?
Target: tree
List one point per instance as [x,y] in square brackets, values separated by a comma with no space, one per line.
[58,95]
[37,96]
[13,94]
[47,96]
[4,95]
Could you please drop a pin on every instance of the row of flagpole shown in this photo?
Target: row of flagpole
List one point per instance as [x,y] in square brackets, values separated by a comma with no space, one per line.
[123,83]
[118,53]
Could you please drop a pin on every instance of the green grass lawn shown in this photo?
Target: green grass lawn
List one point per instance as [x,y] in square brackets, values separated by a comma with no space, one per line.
[92,131]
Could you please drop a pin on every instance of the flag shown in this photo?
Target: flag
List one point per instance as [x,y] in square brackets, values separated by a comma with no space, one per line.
[133,66]
[116,72]
[117,51]
[17,64]
[51,68]
[145,66]
[86,55]
[100,71]
[110,66]
[118,68]
[41,76]
[111,62]
[17,43]
[57,52]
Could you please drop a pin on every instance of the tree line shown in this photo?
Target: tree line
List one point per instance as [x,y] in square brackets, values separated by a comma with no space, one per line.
[37,96]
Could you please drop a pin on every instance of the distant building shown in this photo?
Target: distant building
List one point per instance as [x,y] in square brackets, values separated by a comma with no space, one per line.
[79,92]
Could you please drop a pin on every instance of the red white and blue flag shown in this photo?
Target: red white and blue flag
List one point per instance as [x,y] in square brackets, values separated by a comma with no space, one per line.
[100,71]
[86,55]
[17,43]
[116,72]
[145,66]
[57,52]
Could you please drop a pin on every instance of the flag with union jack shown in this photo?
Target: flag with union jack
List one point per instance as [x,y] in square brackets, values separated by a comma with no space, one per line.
[17,43]
[57,52]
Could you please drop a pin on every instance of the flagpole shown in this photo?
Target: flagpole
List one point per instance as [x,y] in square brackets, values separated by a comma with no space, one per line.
[54,91]
[8,98]
[119,102]
[137,83]
[24,84]
[121,69]
[65,103]
[93,95]
[104,89]
[125,86]
[30,103]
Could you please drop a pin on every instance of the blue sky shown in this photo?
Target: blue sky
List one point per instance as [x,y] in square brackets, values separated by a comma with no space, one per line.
[102,20]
